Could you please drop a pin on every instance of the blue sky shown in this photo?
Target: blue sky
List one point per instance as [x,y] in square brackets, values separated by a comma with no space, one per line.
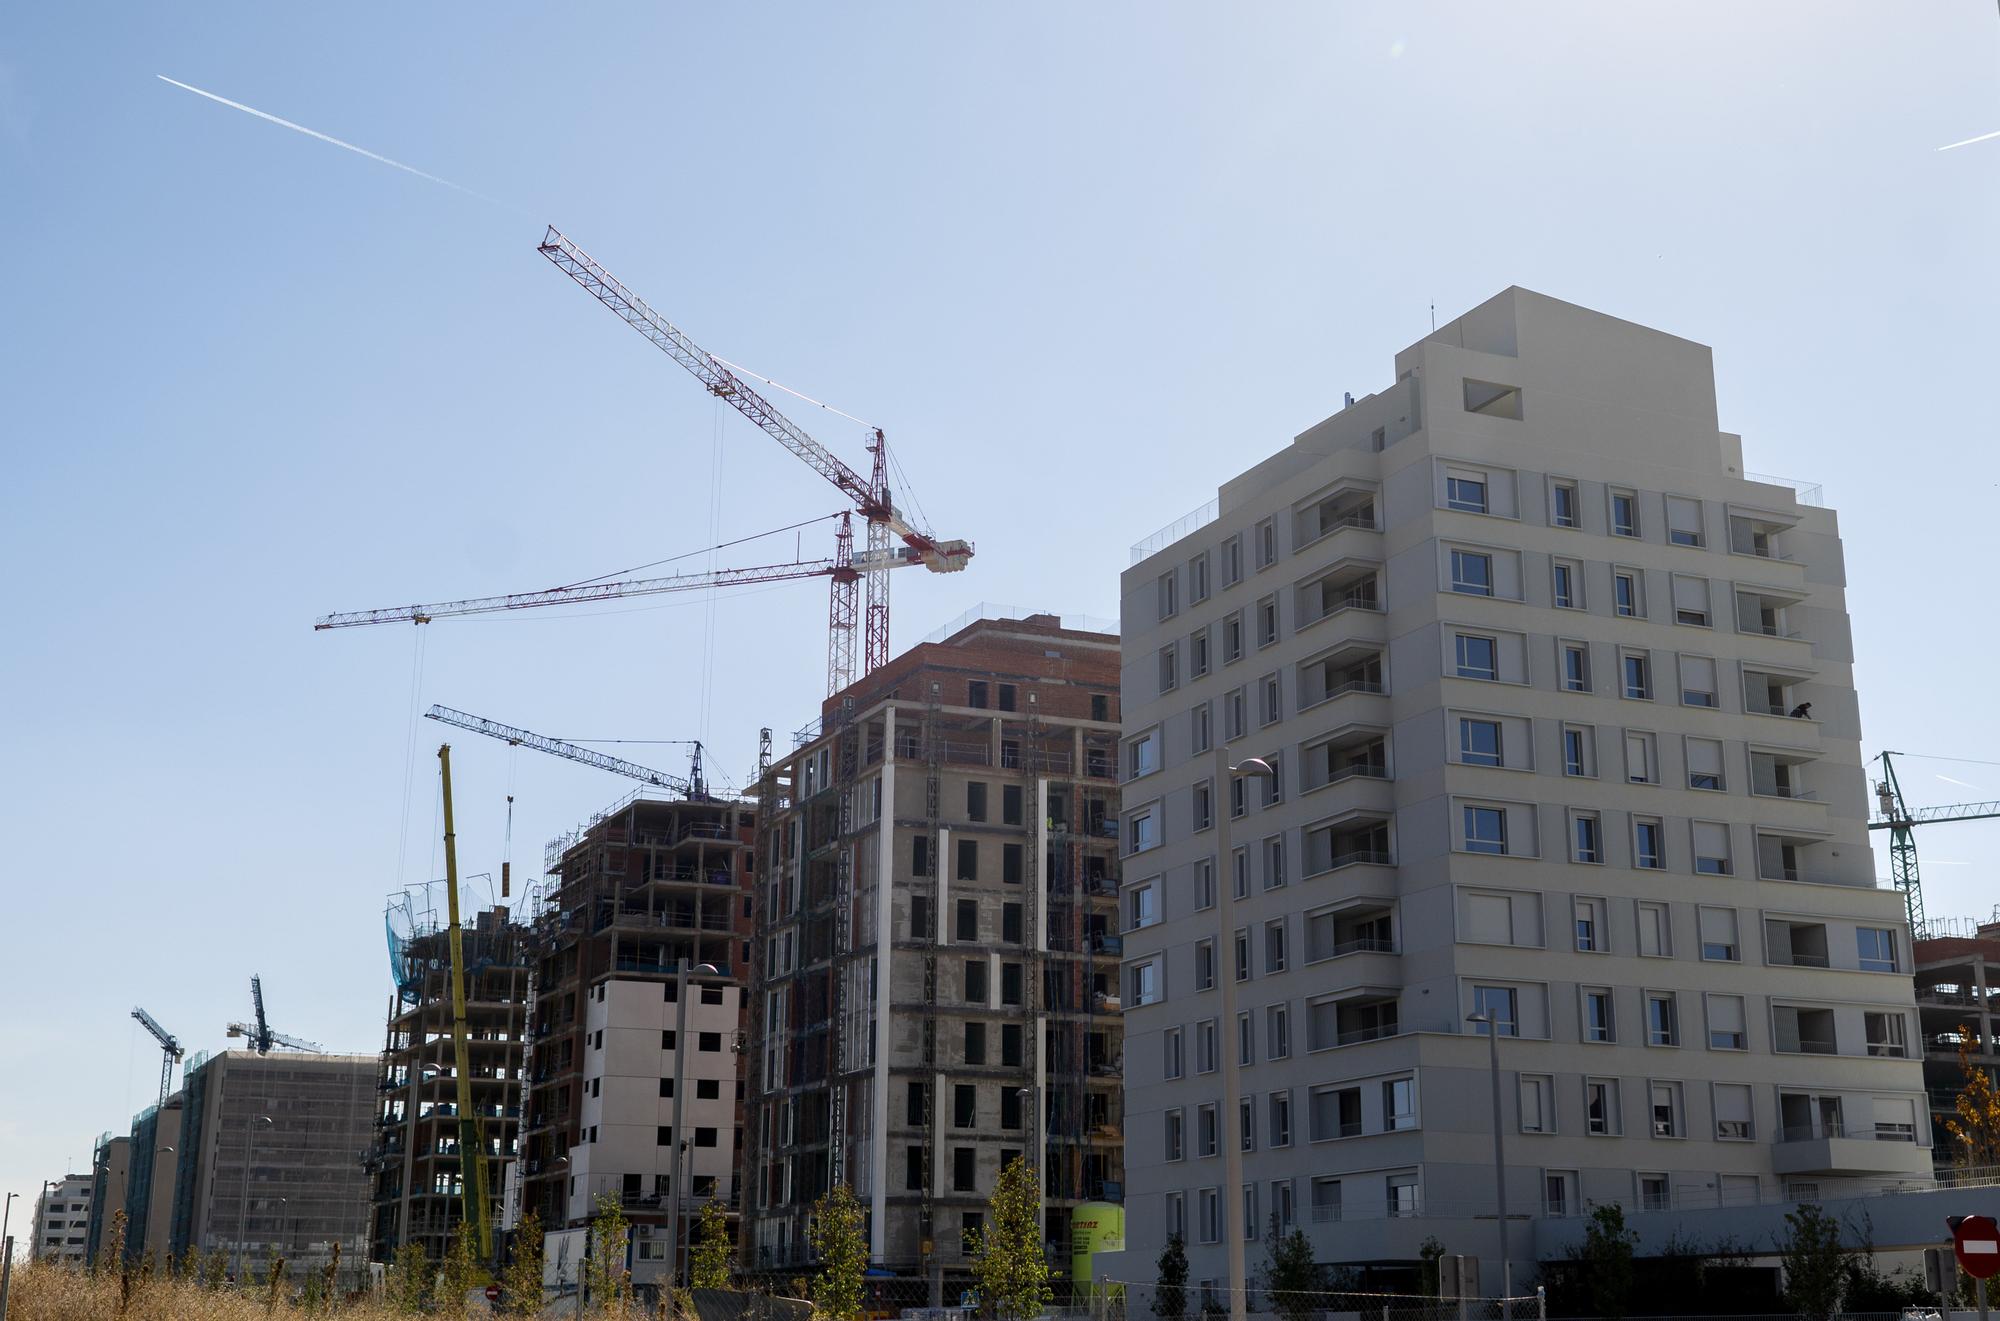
[1080,262]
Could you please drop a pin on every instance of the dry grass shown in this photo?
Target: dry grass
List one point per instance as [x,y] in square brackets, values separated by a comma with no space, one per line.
[43,1292]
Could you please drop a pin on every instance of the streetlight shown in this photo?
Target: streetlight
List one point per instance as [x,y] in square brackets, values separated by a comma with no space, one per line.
[1251,768]
[243,1207]
[683,974]
[1492,1029]
[6,1254]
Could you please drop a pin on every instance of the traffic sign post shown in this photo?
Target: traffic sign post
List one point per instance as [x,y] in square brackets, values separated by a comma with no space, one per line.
[1975,1241]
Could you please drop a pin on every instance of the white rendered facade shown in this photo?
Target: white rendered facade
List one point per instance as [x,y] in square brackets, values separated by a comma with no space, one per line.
[1653,875]
[62,1220]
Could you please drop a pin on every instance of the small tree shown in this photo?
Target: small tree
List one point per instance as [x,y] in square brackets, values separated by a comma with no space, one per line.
[838,1243]
[111,1256]
[1606,1259]
[215,1269]
[1976,1131]
[1290,1275]
[709,1258]
[605,1269]
[276,1281]
[407,1282]
[522,1280]
[1429,1279]
[1008,1259]
[1170,1293]
[461,1272]
[1815,1265]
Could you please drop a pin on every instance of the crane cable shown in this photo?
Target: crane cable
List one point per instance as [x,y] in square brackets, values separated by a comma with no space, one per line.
[705,550]
[410,751]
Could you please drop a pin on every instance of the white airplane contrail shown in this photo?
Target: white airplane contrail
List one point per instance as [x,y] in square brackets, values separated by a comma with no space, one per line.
[1983,137]
[344,146]
[1960,783]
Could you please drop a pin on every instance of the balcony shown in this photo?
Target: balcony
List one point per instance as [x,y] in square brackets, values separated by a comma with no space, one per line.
[1351,589]
[1767,612]
[1359,840]
[1338,512]
[1826,1148]
[1349,670]
[1781,774]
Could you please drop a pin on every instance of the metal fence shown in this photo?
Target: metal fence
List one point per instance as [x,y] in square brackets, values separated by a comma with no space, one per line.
[1198,1302]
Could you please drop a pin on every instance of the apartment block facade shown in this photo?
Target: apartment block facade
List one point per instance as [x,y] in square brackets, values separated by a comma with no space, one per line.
[1559,706]
[110,1164]
[62,1220]
[937,948]
[653,883]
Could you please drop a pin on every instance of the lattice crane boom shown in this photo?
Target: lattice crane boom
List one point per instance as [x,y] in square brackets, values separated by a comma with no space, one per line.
[260,1035]
[1897,817]
[692,787]
[871,495]
[171,1051]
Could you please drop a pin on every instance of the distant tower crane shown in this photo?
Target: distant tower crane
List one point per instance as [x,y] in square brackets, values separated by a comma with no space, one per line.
[871,495]
[260,1035]
[692,787]
[170,1050]
[1897,817]
[843,570]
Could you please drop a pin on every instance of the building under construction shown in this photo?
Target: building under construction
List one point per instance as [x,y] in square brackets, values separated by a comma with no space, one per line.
[414,1160]
[936,965]
[651,884]
[1958,1001]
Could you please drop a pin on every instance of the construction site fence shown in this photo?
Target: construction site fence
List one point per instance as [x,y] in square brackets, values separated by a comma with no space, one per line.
[1110,1301]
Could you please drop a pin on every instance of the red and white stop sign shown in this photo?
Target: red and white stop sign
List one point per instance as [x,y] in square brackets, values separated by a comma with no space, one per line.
[1976,1242]
[492,1293]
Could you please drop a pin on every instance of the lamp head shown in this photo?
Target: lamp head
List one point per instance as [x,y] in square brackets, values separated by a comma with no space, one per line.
[1255,768]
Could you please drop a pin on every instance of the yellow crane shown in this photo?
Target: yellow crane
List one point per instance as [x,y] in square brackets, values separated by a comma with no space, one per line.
[471,1133]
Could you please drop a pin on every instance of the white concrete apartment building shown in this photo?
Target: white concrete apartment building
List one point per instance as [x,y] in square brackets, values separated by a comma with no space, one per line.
[1560,707]
[62,1220]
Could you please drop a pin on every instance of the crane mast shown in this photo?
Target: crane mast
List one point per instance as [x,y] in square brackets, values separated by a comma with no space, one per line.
[471,1140]
[1895,815]
[871,495]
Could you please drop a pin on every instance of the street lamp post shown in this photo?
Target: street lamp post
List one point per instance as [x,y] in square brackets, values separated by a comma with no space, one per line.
[6,1254]
[1233,1230]
[243,1207]
[1485,1020]
[682,977]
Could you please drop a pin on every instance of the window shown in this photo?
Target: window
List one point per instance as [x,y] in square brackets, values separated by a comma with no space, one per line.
[1401,1191]
[1579,751]
[1683,521]
[1010,983]
[1240,954]
[1272,705]
[1274,946]
[1655,933]
[976,693]
[1198,654]
[1499,1004]
[1142,907]
[1206,1131]
[1235,709]
[1277,1032]
[1711,849]
[1204,1046]
[1886,1035]
[1538,1113]
[964,1106]
[1666,1104]
[1202,722]
[1006,694]
[1478,657]
[1704,763]
[1562,504]
[1576,667]
[1142,755]
[913,1104]
[1485,830]
[1208,1210]
[1479,742]
[967,926]
[1638,672]
[1267,621]
[1145,983]
[963,1168]
[1204,805]
[1642,760]
[1465,493]
[1204,885]
[1600,1107]
[1010,864]
[1267,543]
[1567,576]
[705,1089]
[1662,1019]
[1718,934]
[1586,845]
[1471,573]
[1176,1135]
[1232,561]
[1590,932]
[1246,1041]
[1624,514]
[1169,674]
[1877,948]
[1281,1119]
[1232,637]
[1598,1024]
[1250,1221]
[1239,861]
[1625,595]
[975,800]
[1558,1192]
[1011,928]
[1732,1112]
[1246,1123]
[1647,850]
[975,981]
[1653,1193]
[1171,1063]
[1169,595]
[1281,1205]
[1198,578]
[1725,1023]
[1399,1104]
[1691,601]
[1697,681]
[1142,831]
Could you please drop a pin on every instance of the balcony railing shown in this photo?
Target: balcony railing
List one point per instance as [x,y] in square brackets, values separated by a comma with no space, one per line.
[1354,857]
[1359,1035]
[1810,1046]
[1366,945]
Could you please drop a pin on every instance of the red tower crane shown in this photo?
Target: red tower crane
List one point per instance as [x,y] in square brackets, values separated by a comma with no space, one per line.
[871,495]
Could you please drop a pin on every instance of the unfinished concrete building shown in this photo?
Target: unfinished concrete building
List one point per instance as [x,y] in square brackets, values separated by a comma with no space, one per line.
[650,884]
[937,952]
[1957,1003]
[415,1160]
